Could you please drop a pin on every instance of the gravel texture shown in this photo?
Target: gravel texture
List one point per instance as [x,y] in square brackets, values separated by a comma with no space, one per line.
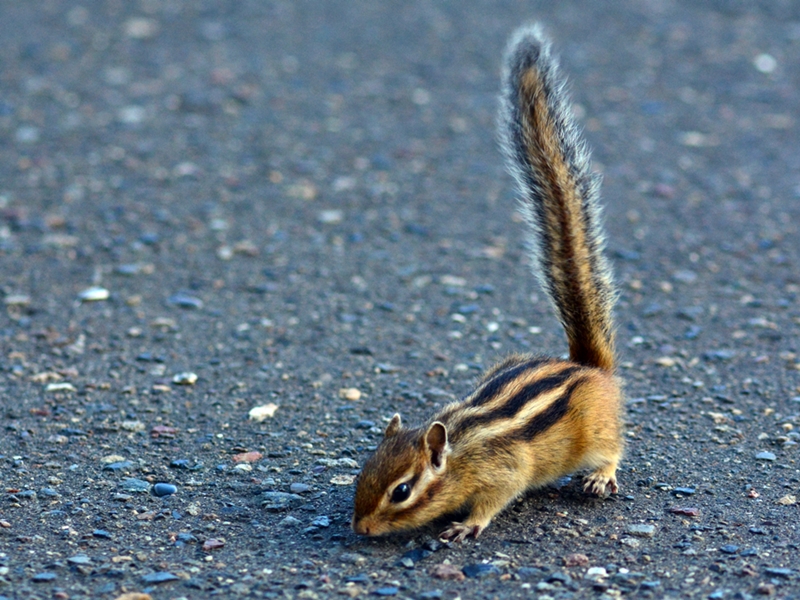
[237,236]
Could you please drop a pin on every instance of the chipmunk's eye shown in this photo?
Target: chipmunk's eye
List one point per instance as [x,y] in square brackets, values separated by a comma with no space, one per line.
[401,493]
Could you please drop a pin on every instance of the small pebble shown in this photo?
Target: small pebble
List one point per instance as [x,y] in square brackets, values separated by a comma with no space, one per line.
[43,577]
[448,572]
[123,465]
[719,355]
[343,480]
[280,501]
[17,300]
[729,549]
[779,572]
[27,134]
[138,486]
[330,217]
[764,455]
[263,412]
[159,577]
[79,559]
[353,558]
[248,457]
[185,301]
[641,530]
[350,394]
[61,386]
[765,589]
[683,491]
[480,570]
[289,522]
[386,591]
[164,489]
[102,533]
[650,585]
[596,573]
[416,555]
[213,544]
[94,294]
[345,462]
[576,560]
[185,378]
[128,269]
[322,521]
[765,63]
[686,511]
[299,488]
[529,573]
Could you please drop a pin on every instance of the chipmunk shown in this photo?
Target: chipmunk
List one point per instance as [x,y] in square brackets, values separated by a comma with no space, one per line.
[531,419]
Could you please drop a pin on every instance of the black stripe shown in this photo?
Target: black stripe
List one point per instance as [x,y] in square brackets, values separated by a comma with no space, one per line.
[549,417]
[499,380]
[516,403]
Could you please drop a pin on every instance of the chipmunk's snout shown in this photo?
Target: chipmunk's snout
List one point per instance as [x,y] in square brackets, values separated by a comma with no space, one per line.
[360,527]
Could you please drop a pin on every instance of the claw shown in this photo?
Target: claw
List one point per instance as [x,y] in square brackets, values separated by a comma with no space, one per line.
[458,532]
[600,485]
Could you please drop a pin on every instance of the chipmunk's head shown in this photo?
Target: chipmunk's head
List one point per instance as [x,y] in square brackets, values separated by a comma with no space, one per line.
[399,485]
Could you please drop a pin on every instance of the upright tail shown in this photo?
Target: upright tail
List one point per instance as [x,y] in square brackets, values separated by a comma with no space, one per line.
[559,196]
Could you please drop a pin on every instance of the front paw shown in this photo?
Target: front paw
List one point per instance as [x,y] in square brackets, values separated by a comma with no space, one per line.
[458,532]
[600,484]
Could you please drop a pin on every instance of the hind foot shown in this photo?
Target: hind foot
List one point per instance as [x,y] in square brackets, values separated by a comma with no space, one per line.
[602,482]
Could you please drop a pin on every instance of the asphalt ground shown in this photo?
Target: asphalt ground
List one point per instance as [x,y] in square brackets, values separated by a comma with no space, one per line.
[207,207]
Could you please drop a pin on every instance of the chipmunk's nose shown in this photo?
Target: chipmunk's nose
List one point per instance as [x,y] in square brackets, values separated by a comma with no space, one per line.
[360,527]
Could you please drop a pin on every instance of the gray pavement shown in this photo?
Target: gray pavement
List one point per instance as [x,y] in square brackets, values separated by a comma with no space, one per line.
[303,204]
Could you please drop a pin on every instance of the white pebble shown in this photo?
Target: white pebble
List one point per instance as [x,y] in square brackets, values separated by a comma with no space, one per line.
[186,378]
[131,115]
[27,134]
[453,280]
[93,294]
[596,573]
[765,63]
[141,28]
[343,480]
[330,217]
[17,300]
[421,97]
[60,387]
[261,413]
[351,394]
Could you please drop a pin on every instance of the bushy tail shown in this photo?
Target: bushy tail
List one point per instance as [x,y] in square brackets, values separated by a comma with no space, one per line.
[559,195]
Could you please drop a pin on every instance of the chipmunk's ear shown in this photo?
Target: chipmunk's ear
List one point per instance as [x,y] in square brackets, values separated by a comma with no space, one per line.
[436,445]
[394,426]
